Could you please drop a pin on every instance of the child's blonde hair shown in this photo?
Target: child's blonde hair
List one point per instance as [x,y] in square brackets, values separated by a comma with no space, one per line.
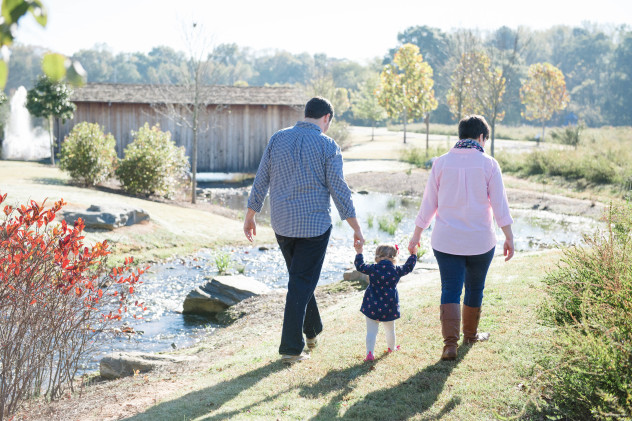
[385,251]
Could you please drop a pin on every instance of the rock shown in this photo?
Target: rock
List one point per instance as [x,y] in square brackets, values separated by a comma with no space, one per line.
[123,364]
[220,293]
[106,217]
[354,275]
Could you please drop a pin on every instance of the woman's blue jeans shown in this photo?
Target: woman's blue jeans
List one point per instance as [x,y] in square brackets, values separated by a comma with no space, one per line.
[304,258]
[457,271]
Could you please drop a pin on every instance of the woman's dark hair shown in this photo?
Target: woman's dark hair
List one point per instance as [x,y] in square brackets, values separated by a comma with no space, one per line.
[318,107]
[472,126]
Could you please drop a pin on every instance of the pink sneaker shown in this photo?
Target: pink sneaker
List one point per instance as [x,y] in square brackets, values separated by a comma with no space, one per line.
[369,357]
[397,348]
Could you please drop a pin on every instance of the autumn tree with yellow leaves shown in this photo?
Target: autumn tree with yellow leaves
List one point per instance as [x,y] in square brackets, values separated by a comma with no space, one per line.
[543,93]
[406,87]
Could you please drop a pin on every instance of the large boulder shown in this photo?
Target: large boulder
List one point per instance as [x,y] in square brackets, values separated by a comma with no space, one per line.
[123,364]
[220,293]
[353,275]
[107,217]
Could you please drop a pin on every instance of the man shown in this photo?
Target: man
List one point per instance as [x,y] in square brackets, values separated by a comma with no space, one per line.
[302,168]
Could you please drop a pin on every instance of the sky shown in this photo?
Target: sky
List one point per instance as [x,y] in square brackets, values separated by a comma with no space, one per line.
[358,30]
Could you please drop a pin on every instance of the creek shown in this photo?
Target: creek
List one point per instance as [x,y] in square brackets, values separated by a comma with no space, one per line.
[384,218]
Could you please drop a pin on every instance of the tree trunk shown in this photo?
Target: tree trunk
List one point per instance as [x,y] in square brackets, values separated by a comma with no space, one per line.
[373,130]
[52,139]
[542,137]
[194,149]
[405,121]
[493,135]
[427,121]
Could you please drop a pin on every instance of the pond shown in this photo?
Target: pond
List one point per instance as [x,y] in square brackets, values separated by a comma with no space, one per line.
[384,218]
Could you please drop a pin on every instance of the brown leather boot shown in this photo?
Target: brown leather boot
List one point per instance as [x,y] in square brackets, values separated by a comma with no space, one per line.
[450,328]
[471,316]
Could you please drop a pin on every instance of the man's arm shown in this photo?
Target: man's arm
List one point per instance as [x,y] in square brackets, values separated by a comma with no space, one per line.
[358,238]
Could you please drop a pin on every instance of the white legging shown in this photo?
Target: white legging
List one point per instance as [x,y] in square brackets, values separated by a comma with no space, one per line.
[372,327]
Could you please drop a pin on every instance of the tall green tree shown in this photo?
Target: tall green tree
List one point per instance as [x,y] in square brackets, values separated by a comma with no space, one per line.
[543,93]
[50,100]
[406,87]
[619,101]
[365,104]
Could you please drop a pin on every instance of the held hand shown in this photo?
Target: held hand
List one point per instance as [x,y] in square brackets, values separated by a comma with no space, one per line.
[414,242]
[508,249]
[358,241]
[250,228]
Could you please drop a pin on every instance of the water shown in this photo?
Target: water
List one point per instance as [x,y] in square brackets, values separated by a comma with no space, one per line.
[166,285]
[21,141]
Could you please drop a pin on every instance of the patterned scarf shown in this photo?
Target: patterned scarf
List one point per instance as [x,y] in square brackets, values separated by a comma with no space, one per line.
[468,144]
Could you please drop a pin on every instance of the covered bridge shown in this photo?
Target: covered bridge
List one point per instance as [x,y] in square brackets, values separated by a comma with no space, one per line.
[235,122]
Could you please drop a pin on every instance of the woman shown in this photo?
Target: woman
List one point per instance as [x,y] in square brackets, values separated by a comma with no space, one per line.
[465,191]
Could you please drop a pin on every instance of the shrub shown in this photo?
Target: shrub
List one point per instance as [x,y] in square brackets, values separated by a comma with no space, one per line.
[569,135]
[589,368]
[339,131]
[88,155]
[421,158]
[152,164]
[57,298]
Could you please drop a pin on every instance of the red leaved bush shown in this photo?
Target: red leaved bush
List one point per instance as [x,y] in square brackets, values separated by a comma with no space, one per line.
[57,299]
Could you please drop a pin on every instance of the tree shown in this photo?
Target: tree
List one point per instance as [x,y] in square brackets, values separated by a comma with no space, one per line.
[619,101]
[365,104]
[465,82]
[193,75]
[406,87]
[543,93]
[339,97]
[49,99]
[55,66]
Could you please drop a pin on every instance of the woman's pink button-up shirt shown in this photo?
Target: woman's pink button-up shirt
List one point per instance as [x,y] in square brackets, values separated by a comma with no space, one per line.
[465,191]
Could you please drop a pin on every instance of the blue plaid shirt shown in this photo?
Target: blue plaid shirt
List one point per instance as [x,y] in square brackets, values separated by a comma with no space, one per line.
[303,168]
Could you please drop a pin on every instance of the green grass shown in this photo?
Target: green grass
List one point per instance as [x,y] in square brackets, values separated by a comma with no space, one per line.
[487,380]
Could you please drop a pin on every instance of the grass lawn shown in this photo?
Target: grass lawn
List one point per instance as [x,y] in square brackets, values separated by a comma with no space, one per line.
[172,230]
[488,379]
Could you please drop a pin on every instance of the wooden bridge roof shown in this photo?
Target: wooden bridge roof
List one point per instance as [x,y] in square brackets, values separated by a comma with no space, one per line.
[178,94]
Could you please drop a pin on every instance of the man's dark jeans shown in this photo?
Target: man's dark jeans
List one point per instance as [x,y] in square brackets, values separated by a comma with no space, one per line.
[304,259]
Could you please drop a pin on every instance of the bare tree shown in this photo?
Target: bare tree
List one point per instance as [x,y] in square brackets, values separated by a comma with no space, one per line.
[186,103]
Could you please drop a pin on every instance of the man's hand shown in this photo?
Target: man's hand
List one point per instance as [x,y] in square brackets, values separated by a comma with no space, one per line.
[358,238]
[250,226]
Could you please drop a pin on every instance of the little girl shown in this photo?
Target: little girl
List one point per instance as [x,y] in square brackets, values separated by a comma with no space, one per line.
[381,301]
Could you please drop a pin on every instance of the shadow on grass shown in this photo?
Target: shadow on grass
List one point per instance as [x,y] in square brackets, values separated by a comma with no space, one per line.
[210,399]
[51,181]
[412,397]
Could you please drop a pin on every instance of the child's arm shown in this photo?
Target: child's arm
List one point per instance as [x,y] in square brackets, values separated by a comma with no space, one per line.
[360,266]
[408,266]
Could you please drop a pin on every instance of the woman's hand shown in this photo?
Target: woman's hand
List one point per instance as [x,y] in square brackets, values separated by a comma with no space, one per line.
[508,246]
[413,244]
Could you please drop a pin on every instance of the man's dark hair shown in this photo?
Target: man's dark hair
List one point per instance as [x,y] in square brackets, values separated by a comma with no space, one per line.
[472,126]
[318,107]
